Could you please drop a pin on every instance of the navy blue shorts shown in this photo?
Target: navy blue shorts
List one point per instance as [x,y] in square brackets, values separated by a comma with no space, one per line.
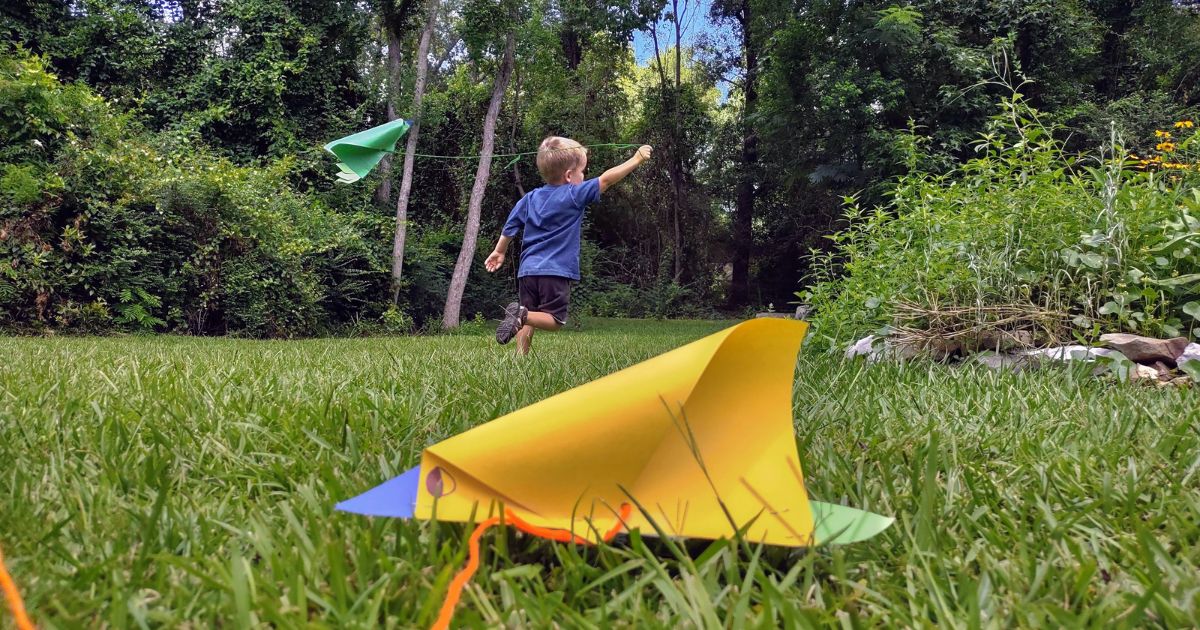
[548,294]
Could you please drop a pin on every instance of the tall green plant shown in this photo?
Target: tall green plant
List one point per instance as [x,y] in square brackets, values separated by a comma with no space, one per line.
[1023,223]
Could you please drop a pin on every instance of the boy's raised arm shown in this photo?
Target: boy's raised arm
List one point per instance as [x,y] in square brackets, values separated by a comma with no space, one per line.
[617,173]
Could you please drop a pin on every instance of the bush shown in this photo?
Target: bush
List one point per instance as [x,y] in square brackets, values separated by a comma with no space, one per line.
[607,289]
[109,228]
[1109,241]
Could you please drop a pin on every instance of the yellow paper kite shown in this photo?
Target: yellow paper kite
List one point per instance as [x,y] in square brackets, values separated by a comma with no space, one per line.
[701,438]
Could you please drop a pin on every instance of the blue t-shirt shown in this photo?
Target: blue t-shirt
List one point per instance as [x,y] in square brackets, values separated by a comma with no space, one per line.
[552,220]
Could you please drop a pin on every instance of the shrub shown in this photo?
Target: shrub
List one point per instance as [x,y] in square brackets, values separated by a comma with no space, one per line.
[109,228]
[428,263]
[1109,241]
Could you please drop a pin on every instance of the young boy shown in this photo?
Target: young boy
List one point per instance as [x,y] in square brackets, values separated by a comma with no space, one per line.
[550,220]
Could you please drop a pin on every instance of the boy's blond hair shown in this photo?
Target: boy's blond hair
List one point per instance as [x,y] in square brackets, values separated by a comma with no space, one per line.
[557,155]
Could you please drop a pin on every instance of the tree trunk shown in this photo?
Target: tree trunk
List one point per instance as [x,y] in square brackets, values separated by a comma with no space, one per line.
[572,47]
[675,161]
[743,217]
[462,268]
[410,148]
[676,155]
[512,136]
[678,234]
[383,192]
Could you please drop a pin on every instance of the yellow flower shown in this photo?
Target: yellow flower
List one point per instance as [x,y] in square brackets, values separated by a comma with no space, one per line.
[1165,147]
[1159,133]
[1184,124]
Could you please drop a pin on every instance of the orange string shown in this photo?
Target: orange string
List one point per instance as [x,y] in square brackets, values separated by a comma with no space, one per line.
[14,597]
[460,580]
[462,577]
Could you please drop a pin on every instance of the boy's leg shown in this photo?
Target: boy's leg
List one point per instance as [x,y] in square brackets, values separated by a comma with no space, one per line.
[545,299]
[514,320]
[524,340]
[534,320]
[541,321]
[516,313]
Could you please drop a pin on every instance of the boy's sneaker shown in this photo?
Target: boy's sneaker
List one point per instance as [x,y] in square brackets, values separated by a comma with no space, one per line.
[514,319]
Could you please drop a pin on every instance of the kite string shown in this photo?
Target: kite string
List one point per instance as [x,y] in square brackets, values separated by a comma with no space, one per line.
[15,605]
[454,593]
[615,145]
[460,580]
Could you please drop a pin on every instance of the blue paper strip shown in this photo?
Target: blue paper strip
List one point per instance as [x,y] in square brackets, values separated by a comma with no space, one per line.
[396,497]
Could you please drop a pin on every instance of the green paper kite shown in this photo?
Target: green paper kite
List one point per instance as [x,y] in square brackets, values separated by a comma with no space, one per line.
[359,153]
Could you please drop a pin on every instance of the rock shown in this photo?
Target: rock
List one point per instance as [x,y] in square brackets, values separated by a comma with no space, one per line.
[1146,349]
[1190,353]
[1143,373]
[903,352]
[802,311]
[864,347]
[1181,381]
[999,340]
[1013,362]
[1069,353]
[1060,353]
[775,315]
[936,348]
[1164,372]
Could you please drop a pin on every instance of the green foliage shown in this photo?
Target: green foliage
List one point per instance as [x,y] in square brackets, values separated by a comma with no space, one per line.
[136,307]
[899,26]
[840,82]
[1117,365]
[396,321]
[601,294]
[259,81]
[1192,369]
[477,326]
[1024,223]
[254,78]
[22,184]
[148,233]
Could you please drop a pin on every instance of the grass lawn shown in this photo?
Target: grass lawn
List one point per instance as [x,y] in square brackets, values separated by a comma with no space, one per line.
[173,482]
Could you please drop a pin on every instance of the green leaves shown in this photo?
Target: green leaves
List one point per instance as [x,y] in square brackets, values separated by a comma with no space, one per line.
[1118,365]
[1114,308]
[1188,281]
[1074,257]
[899,25]
[25,184]
[1192,369]
[136,307]
[1112,250]
[120,230]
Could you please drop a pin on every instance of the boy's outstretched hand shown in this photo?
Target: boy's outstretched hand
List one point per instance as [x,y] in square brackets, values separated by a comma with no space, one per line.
[494,260]
[617,173]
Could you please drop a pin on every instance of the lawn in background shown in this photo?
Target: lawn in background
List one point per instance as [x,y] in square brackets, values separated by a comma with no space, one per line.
[165,481]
